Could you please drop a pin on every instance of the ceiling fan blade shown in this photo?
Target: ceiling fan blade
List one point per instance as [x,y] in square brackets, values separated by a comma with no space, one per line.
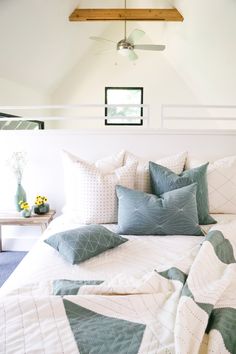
[135,35]
[100,39]
[132,55]
[149,46]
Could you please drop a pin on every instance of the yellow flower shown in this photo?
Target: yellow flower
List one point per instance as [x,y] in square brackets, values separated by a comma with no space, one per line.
[40,200]
[24,205]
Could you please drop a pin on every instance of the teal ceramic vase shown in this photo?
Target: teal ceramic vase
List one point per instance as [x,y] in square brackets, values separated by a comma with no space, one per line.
[19,196]
[41,209]
[26,213]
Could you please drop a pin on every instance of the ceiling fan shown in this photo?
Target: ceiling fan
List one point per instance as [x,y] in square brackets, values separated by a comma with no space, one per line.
[127,45]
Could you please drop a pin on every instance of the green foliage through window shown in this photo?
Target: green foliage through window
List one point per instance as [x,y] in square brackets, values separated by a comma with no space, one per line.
[123,96]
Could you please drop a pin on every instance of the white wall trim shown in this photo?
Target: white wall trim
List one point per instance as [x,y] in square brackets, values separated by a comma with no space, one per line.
[193,112]
[117,131]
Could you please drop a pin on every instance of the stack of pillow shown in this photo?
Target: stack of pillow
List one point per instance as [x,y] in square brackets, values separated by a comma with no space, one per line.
[146,198]
[178,203]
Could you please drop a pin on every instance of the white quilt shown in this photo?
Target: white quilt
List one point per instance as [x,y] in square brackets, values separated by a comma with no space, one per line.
[140,255]
[184,305]
[44,263]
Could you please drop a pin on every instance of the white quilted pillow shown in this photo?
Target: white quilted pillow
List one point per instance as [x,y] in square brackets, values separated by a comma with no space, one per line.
[94,196]
[221,177]
[105,165]
[142,181]
[110,163]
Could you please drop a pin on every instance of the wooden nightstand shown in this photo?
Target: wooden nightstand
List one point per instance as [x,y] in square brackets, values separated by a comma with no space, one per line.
[13,218]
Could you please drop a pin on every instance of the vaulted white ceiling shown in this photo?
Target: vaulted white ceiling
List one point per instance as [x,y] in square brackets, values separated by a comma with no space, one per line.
[38,43]
[40,47]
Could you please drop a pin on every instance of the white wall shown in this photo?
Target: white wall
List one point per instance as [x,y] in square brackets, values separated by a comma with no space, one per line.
[203,48]
[86,82]
[198,65]
[15,94]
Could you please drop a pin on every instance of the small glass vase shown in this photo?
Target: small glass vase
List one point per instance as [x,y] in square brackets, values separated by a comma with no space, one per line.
[26,213]
[19,196]
[41,209]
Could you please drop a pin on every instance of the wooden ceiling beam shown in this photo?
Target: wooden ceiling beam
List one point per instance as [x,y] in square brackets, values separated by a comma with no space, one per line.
[126,14]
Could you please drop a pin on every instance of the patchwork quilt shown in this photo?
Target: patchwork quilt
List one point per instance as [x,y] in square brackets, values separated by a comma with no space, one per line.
[188,308]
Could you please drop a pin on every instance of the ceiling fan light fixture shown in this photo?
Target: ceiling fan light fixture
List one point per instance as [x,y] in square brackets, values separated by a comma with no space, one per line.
[124,52]
[123,44]
[124,47]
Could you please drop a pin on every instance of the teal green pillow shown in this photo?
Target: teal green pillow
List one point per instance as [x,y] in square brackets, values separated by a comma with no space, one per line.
[174,213]
[85,242]
[164,180]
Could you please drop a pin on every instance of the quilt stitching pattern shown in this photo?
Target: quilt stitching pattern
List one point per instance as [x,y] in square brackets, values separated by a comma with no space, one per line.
[184,308]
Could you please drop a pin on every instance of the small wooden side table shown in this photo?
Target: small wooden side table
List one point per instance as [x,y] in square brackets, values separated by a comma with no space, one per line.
[13,218]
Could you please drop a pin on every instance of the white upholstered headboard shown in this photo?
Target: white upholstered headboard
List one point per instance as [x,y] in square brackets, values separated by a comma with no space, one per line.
[44,173]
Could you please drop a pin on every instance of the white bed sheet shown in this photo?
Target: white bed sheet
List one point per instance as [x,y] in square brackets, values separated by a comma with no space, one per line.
[141,254]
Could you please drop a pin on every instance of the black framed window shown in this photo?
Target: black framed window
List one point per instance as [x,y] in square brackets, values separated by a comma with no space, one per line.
[126,96]
[6,124]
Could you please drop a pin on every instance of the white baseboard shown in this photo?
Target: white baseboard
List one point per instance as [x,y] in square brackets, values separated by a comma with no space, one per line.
[18,244]
[19,238]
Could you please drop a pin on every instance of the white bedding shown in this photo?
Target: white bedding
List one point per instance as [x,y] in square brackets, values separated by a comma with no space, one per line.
[141,255]
[159,295]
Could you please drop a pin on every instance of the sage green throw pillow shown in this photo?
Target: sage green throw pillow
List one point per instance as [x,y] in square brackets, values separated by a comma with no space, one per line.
[85,242]
[174,213]
[164,180]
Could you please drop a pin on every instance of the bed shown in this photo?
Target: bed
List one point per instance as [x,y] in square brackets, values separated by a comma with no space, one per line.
[44,263]
[151,294]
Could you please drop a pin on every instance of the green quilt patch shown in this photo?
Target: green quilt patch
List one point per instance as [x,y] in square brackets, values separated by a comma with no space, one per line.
[204,306]
[71,287]
[224,321]
[174,274]
[177,274]
[98,334]
[222,247]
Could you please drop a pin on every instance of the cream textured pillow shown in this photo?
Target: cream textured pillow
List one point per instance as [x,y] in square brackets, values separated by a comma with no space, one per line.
[105,165]
[221,178]
[142,181]
[94,197]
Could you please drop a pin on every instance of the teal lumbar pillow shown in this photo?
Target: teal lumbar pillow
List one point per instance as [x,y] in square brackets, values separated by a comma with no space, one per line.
[164,180]
[174,213]
[84,242]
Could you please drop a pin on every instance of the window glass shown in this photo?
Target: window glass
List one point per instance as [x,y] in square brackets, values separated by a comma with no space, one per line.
[120,115]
